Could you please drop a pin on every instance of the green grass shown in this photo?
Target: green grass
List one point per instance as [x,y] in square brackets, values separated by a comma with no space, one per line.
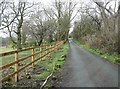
[10,58]
[50,63]
[115,58]
[5,49]
[44,74]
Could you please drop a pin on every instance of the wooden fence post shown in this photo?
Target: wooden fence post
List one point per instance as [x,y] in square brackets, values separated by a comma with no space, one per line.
[40,53]
[54,47]
[46,50]
[33,57]
[16,67]
[50,49]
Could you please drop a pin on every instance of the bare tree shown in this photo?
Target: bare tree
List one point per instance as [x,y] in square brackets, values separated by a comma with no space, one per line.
[119,28]
[14,25]
[38,26]
[109,18]
[2,8]
[98,25]
[63,13]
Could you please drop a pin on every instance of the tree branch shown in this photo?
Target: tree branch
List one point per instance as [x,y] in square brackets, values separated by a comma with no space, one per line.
[104,8]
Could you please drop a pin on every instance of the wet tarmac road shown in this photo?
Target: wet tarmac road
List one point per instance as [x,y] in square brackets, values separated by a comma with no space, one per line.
[83,69]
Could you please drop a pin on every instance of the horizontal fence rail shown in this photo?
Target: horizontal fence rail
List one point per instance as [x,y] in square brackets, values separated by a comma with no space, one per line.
[46,49]
[12,52]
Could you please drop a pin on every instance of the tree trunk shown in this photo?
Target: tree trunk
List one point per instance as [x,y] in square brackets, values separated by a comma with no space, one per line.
[119,29]
[19,40]
[39,43]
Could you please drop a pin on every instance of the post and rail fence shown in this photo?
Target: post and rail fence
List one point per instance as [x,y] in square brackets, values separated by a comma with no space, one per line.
[47,50]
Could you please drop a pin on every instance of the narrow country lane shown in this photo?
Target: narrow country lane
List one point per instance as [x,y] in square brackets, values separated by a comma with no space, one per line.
[83,69]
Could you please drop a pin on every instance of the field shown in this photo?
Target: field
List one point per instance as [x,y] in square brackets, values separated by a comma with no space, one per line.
[11,58]
[3,49]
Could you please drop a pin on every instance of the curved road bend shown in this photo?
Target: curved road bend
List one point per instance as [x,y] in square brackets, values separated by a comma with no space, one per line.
[83,69]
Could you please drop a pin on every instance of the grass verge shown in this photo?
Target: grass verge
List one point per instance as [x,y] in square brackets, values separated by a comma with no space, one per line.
[56,60]
[115,58]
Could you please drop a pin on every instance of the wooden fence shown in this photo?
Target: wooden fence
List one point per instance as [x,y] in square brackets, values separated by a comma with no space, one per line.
[47,50]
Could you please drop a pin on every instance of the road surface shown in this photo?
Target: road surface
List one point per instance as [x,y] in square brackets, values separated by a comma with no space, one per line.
[83,69]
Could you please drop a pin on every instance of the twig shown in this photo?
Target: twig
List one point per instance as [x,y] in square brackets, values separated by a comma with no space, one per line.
[47,79]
